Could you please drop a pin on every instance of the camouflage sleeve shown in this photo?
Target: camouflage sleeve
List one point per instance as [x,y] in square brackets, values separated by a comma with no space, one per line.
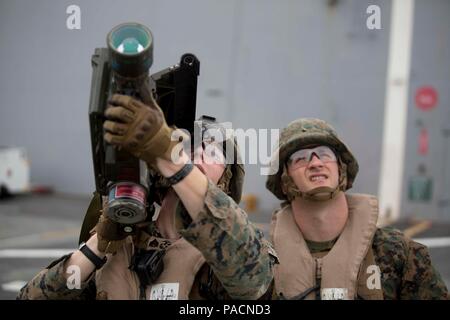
[50,284]
[210,288]
[234,248]
[421,281]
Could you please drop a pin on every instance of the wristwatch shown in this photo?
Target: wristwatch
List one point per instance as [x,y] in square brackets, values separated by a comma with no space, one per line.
[96,260]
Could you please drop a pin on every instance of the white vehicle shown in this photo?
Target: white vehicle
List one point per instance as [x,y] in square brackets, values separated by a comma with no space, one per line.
[14,171]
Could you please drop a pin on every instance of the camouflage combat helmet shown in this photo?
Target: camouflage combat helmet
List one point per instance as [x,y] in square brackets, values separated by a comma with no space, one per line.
[307,132]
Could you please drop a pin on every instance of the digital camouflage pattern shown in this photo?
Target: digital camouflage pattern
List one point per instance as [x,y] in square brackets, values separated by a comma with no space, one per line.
[406,269]
[305,132]
[50,284]
[239,259]
[235,250]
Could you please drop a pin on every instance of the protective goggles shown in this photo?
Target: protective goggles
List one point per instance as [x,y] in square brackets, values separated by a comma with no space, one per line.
[302,157]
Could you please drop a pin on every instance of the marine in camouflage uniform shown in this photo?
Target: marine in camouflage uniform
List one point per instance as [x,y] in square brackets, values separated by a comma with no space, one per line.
[239,260]
[405,265]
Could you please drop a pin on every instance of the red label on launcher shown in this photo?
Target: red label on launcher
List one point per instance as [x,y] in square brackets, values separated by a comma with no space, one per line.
[130,191]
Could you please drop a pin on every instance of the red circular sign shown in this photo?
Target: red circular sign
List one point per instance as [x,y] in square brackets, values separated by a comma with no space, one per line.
[426,98]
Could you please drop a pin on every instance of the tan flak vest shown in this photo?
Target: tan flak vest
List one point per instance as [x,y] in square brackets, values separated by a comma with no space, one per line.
[347,271]
[182,261]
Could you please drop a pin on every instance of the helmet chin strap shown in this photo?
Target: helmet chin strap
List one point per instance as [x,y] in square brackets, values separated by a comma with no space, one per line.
[316,194]
[320,194]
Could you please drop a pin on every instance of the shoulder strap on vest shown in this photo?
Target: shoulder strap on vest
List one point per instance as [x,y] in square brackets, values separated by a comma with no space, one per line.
[369,279]
[295,273]
[342,264]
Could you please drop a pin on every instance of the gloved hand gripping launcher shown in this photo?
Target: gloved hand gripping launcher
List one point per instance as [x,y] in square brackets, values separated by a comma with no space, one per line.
[123,67]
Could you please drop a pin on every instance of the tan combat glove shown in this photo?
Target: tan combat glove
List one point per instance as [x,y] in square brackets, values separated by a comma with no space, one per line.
[139,128]
[110,234]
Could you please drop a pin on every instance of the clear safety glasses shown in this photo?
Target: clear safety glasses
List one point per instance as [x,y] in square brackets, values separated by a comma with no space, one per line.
[302,157]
